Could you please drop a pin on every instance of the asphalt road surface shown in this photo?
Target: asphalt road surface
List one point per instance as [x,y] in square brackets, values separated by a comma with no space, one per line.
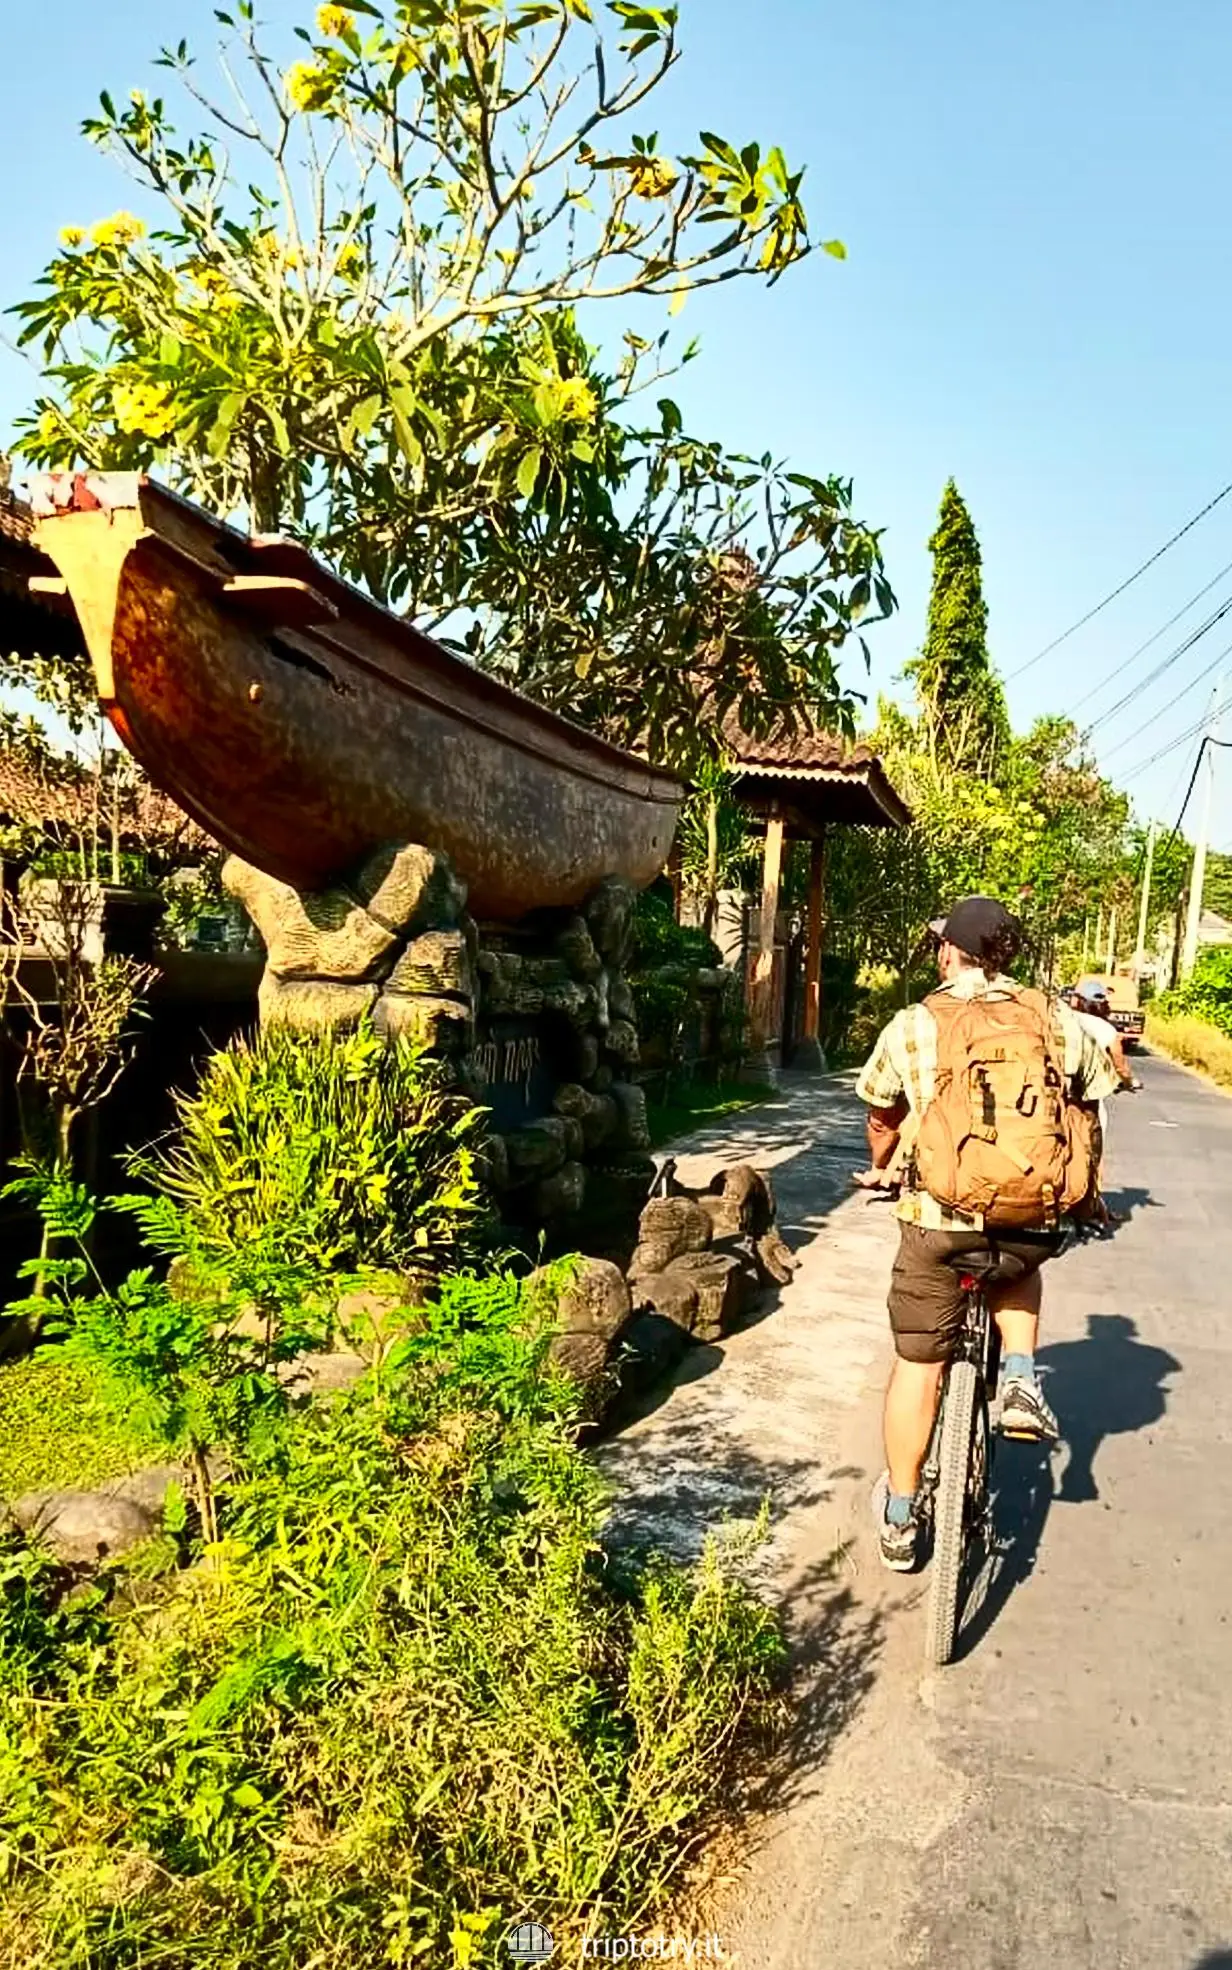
[1061,1798]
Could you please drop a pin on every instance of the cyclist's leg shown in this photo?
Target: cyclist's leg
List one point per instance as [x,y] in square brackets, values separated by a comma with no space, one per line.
[926,1309]
[1016,1308]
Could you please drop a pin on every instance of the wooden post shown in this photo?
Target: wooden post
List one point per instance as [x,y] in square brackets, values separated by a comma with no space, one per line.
[762,1008]
[812,1053]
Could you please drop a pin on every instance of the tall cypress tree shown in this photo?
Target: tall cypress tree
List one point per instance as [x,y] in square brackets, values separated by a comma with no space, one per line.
[961,699]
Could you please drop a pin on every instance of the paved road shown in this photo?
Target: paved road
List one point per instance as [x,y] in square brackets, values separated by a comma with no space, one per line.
[1062,1798]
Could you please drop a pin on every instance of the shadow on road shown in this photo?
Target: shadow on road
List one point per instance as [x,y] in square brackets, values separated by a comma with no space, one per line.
[1109,1384]
[1216,1959]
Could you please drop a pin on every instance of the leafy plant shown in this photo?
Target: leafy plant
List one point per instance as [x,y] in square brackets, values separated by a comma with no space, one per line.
[1207,995]
[334,1152]
[490,1339]
[60,1427]
[405,1701]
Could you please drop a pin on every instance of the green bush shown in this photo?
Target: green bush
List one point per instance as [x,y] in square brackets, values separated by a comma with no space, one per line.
[659,940]
[404,1704]
[1206,995]
[346,1147]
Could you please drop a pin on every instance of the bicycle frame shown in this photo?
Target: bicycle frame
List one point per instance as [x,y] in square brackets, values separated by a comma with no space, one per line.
[979,1342]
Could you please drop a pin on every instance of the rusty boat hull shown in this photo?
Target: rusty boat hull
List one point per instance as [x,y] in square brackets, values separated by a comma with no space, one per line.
[303,725]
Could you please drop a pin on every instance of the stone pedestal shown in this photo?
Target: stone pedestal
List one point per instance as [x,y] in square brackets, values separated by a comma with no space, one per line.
[532,1021]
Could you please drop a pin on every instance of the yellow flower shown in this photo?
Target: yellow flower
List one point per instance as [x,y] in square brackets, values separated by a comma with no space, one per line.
[72,235]
[143,408]
[351,261]
[309,88]
[120,230]
[333,22]
[577,400]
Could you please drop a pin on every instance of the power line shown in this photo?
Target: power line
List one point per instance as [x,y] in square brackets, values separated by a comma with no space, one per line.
[1128,583]
[1224,745]
[1123,664]
[1173,745]
[1172,702]
[1182,649]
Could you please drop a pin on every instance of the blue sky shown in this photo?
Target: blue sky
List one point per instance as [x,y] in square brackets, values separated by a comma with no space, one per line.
[1035,201]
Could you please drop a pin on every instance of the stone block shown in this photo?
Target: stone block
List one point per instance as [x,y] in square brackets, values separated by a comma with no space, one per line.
[576,949]
[584,1358]
[719,1283]
[621,1042]
[313,1005]
[537,1151]
[633,1127]
[408,889]
[776,1262]
[436,962]
[673,1295]
[620,997]
[609,913]
[597,1115]
[84,1528]
[561,1195]
[324,934]
[444,1026]
[669,1227]
[596,1300]
[749,1194]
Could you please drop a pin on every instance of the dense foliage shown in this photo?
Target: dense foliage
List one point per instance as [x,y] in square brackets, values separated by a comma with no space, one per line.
[961,701]
[343,1149]
[1207,995]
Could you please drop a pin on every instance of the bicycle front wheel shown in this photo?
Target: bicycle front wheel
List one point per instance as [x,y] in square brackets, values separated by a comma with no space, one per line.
[950,1511]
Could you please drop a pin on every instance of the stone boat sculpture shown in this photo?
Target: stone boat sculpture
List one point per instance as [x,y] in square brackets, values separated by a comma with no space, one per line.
[302,724]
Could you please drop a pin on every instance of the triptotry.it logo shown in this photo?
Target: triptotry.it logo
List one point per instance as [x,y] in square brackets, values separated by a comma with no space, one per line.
[530,1943]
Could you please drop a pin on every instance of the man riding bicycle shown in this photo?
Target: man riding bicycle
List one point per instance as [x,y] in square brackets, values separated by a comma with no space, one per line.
[987,1071]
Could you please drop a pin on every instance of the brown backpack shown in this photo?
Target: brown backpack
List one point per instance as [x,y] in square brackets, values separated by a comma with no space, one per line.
[1001,1139]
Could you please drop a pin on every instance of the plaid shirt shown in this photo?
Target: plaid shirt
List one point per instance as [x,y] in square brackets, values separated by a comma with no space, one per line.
[904,1062]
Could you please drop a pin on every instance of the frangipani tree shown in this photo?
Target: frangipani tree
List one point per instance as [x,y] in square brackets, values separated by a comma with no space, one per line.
[358,316]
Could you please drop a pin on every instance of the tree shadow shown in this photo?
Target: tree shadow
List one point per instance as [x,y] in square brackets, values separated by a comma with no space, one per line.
[1215,1959]
[1108,1384]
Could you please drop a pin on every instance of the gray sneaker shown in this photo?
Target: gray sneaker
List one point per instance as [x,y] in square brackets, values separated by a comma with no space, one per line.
[896,1543]
[1024,1412]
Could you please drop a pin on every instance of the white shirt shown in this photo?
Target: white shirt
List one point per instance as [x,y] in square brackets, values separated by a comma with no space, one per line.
[1101,1030]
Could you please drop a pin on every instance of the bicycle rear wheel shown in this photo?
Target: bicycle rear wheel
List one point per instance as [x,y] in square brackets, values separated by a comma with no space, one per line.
[950,1511]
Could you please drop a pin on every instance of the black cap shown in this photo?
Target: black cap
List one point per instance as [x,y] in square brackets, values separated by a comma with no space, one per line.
[976,924]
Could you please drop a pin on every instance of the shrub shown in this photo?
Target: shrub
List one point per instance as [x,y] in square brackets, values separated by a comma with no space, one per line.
[346,1146]
[1207,995]
[403,1706]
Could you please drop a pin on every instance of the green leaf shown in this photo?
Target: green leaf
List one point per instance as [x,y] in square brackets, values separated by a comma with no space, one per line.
[835,248]
[528,472]
[247,1797]
[168,351]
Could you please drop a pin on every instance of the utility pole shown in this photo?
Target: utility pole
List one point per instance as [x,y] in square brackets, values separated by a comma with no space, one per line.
[1110,967]
[1144,910]
[1086,942]
[1099,937]
[1197,881]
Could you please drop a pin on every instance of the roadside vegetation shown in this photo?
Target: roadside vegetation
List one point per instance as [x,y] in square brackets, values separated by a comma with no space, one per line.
[1193,1022]
[377,1690]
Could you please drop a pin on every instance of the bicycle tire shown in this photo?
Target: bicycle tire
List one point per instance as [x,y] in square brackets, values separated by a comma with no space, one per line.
[950,1513]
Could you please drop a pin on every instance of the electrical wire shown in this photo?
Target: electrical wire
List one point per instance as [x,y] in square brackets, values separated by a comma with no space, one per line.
[1123,664]
[1182,649]
[1224,745]
[1183,693]
[1182,739]
[1127,583]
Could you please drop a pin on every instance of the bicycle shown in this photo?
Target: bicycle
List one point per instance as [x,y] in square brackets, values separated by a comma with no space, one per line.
[955,1496]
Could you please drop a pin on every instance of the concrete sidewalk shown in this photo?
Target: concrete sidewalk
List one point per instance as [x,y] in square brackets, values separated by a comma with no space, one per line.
[760,1416]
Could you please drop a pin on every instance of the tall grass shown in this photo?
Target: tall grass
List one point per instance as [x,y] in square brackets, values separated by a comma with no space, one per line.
[1184,1037]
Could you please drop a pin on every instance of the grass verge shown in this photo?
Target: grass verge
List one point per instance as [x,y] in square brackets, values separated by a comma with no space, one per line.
[1193,1043]
[699,1104]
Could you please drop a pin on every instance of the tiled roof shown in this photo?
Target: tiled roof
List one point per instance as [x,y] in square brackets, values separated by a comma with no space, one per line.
[66,799]
[818,775]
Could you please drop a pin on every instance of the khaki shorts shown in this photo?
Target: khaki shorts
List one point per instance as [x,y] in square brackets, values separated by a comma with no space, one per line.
[926,1296]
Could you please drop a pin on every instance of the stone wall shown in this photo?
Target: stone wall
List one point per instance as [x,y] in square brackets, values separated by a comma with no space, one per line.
[535,1020]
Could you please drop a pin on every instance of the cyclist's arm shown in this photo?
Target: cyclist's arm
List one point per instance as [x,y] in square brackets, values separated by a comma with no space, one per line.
[884,1126]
